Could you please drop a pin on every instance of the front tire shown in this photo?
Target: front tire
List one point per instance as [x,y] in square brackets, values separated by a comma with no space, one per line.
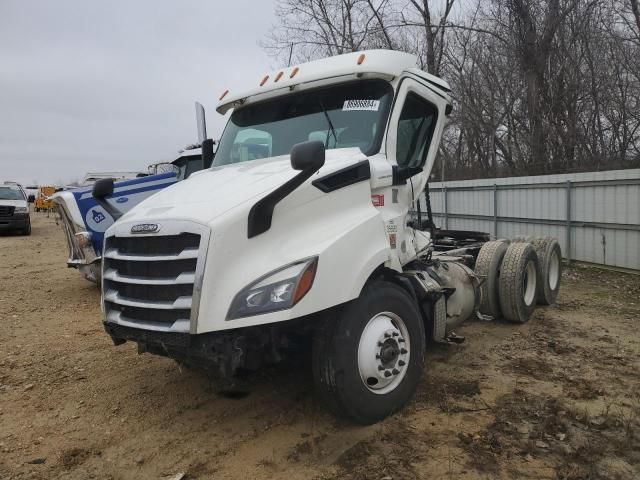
[27,230]
[368,359]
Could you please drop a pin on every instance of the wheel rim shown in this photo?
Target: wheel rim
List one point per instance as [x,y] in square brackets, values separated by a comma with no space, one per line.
[554,271]
[529,283]
[383,353]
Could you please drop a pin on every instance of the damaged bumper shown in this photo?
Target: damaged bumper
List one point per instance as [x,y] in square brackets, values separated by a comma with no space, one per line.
[223,352]
[81,252]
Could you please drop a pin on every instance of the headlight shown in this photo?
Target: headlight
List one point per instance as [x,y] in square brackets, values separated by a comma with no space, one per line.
[21,210]
[278,290]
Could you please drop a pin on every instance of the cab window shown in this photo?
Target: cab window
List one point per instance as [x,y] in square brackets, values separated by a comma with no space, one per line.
[250,144]
[415,129]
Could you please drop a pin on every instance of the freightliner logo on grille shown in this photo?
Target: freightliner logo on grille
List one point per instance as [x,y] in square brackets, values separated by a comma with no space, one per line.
[145,228]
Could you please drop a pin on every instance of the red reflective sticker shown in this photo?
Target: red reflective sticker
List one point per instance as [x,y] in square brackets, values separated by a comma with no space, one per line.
[377,200]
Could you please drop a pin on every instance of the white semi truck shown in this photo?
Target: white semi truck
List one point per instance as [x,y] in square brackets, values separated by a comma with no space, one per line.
[303,231]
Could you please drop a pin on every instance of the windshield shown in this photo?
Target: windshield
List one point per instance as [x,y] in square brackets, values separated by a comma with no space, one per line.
[11,193]
[352,114]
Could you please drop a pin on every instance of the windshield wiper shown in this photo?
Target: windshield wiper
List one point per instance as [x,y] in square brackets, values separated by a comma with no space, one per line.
[333,130]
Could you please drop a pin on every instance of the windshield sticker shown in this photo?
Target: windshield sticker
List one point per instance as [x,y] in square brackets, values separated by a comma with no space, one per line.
[371,105]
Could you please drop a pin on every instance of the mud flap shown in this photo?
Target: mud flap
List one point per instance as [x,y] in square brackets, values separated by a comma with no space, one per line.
[431,289]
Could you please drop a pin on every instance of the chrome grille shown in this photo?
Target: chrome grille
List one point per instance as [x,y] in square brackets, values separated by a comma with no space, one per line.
[151,281]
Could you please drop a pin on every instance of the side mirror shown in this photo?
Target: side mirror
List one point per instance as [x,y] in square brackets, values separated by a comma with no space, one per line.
[31,198]
[103,188]
[307,155]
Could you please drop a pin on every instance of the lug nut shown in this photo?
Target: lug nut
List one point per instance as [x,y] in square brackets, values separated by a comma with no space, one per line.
[395,371]
[395,334]
[387,334]
[401,340]
[380,344]
[402,363]
[403,351]
[387,373]
[380,367]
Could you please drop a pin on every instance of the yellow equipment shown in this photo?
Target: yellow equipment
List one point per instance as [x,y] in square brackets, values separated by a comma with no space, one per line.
[43,202]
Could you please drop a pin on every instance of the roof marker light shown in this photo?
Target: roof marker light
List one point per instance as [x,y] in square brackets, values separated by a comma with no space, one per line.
[224,94]
[361,59]
[264,80]
[293,72]
[278,76]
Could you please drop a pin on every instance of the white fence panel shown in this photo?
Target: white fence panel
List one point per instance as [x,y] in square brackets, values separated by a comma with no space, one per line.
[595,216]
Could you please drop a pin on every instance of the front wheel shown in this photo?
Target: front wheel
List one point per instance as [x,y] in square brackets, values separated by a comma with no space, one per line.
[368,359]
[27,230]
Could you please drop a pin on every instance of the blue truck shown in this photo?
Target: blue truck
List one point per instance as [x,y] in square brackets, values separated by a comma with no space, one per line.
[84,220]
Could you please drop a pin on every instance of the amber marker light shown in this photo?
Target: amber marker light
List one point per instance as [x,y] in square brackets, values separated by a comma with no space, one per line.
[224,94]
[294,72]
[361,59]
[264,80]
[306,281]
[278,76]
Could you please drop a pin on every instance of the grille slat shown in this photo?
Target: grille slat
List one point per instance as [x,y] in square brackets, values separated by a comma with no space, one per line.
[149,315]
[151,293]
[168,245]
[182,278]
[141,278]
[184,254]
[150,270]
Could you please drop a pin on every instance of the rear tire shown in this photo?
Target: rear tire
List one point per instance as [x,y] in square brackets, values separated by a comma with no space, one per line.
[488,266]
[517,284]
[549,269]
[368,359]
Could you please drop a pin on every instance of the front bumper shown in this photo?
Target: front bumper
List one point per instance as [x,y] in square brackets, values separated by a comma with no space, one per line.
[222,351]
[18,221]
[81,256]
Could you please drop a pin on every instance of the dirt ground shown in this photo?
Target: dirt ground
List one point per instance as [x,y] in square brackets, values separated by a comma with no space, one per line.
[556,398]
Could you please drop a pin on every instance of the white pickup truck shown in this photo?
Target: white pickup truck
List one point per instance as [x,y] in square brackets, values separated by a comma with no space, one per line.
[14,209]
[302,229]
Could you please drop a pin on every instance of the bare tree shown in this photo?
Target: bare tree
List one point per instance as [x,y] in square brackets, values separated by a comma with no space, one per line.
[309,29]
[539,86]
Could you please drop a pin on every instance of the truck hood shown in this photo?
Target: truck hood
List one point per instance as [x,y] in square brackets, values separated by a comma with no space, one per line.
[13,203]
[211,193]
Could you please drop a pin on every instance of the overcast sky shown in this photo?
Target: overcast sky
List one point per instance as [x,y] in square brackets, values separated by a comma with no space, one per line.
[110,85]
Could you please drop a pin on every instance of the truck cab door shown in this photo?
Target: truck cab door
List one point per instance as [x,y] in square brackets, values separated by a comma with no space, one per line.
[415,128]
[412,140]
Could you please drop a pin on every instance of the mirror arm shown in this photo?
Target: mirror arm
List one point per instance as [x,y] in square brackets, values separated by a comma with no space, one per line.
[401,174]
[261,213]
[207,153]
[308,157]
[110,209]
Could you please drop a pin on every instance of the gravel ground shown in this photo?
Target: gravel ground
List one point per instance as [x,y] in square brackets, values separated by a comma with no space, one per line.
[556,398]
